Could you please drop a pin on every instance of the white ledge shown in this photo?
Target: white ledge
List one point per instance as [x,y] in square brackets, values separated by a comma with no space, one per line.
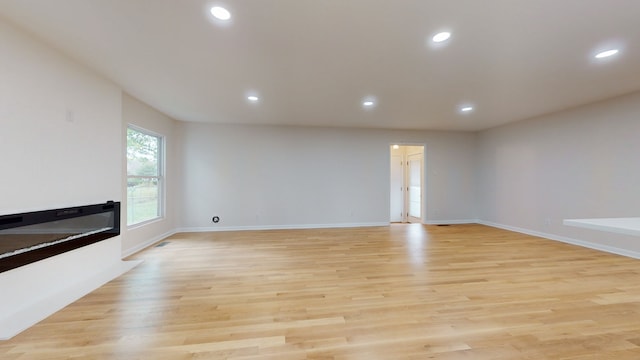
[627,226]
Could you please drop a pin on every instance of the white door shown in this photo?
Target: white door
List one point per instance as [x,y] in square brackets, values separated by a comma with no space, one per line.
[397,187]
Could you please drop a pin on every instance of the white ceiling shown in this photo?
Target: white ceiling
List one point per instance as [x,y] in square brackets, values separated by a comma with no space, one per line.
[313,61]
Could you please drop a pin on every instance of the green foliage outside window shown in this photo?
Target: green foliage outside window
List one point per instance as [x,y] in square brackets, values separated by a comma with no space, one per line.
[144,178]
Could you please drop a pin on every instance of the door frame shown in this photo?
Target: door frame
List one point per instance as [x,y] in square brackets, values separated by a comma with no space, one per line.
[407,202]
[423,175]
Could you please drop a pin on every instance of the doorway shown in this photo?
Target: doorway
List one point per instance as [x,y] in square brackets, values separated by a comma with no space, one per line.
[406,185]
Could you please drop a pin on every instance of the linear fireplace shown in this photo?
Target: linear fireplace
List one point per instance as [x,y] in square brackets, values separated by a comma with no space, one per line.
[29,237]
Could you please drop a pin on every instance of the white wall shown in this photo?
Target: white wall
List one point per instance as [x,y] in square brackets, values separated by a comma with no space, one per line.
[267,177]
[59,129]
[581,163]
[137,113]
[60,142]
[61,136]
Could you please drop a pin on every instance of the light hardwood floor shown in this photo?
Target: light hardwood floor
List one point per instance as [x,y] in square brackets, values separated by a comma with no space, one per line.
[398,292]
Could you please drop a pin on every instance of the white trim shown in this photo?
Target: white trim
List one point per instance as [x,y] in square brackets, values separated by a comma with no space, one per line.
[146,244]
[145,223]
[280,227]
[452,222]
[161,177]
[564,239]
[423,177]
[155,239]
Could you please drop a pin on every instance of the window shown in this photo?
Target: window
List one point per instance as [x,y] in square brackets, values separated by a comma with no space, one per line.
[144,176]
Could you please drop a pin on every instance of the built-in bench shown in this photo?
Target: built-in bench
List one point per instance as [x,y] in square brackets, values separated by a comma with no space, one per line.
[627,226]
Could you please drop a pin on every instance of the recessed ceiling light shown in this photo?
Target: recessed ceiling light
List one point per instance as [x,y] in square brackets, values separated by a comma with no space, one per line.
[466,108]
[220,13]
[607,53]
[253,98]
[440,37]
[396,147]
[369,102]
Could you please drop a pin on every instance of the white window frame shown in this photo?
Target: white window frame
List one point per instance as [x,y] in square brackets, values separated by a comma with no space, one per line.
[160,178]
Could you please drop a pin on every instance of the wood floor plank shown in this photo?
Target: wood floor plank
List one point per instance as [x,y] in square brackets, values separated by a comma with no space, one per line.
[397,292]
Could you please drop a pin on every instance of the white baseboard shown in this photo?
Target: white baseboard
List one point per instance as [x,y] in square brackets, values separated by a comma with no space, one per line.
[451,222]
[279,227]
[158,238]
[147,243]
[564,239]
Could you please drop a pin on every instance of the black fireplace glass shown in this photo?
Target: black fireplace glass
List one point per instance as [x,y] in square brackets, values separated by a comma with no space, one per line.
[29,237]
